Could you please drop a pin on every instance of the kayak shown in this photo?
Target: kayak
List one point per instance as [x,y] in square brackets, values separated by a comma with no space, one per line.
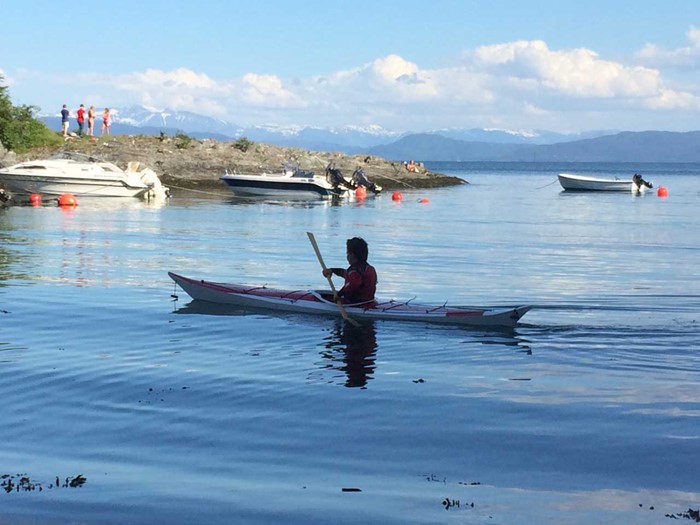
[320,302]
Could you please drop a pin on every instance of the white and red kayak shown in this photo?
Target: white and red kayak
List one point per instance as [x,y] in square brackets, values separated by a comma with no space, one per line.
[320,303]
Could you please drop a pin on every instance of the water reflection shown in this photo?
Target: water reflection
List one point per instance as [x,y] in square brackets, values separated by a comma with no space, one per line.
[346,348]
[352,350]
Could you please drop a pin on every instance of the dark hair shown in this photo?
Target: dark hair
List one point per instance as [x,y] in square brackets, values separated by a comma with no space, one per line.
[358,246]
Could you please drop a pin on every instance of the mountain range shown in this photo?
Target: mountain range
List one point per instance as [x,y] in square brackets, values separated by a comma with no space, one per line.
[455,144]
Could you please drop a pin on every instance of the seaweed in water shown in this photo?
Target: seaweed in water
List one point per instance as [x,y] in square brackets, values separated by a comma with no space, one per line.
[23,483]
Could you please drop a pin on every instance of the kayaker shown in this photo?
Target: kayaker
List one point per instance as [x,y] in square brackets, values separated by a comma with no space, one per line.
[360,277]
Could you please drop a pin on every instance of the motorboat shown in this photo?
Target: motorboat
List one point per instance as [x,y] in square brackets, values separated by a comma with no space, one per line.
[317,302]
[572,182]
[292,182]
[85,177]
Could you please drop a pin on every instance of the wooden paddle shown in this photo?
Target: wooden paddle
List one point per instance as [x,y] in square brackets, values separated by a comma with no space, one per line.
[330,281]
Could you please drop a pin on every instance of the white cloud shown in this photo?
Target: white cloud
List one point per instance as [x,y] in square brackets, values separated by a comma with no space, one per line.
[670,100]
[520,84]
[522,81]
[268,91]
[532,66]
[685,57]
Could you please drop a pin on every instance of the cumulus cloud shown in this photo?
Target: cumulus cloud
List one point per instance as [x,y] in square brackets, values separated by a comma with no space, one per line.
[532,66]
[268,90]
[686,56]
[516,84]
[523,80]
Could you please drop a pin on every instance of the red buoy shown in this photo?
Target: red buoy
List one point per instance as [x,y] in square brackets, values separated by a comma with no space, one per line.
[67,199]
[424,200]
[360,192]
[396,196]
[662,191]
[35,199]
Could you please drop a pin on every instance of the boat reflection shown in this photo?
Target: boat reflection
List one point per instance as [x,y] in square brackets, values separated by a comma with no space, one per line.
[352,349]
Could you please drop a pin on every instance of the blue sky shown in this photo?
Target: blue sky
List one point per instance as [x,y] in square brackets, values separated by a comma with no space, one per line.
[408,65]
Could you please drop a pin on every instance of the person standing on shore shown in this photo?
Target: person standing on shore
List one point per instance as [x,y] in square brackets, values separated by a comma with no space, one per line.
[80,117]
[106,122]
[65,115]
[91,121]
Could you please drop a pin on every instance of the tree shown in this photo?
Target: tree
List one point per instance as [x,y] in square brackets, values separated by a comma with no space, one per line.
[19,130]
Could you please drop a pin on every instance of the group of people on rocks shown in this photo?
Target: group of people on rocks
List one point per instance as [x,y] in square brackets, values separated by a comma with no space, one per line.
[81,116]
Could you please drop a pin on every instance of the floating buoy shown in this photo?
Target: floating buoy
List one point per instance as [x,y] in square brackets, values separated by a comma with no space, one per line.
[67,199]
[396,196]
[662,191]
[35,199]
[360,192]
[424,200]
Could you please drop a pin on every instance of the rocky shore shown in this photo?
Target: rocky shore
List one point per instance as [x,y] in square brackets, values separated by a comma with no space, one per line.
[186,163]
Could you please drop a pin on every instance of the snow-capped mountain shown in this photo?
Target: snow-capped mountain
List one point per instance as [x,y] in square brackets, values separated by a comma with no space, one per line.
[347,139]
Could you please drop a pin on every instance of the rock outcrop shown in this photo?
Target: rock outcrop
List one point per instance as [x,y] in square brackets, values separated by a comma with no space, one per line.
[183,162]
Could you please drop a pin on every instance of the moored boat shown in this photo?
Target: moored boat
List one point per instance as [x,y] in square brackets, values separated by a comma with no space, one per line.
[320,303]
[87,177]
[291,183]
[573,182]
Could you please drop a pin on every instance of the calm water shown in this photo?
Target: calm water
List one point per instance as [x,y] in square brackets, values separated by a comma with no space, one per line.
[175,412]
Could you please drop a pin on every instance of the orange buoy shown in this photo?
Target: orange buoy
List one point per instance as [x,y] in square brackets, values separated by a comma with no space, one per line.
[35,199]
[662,191]
[67,199]
[396,196]
[424,200]
[360,192]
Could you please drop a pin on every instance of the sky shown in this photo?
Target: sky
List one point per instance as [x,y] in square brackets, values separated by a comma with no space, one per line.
[404,65]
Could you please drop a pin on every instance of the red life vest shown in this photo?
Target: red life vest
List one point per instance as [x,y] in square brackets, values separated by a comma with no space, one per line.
[360,284]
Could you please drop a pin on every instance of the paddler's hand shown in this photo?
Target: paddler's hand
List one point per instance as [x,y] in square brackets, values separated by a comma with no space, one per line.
[327,272]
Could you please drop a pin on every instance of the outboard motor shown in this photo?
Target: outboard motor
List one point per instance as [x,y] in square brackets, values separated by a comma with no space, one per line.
[639,181]
[335,178]
[360,179]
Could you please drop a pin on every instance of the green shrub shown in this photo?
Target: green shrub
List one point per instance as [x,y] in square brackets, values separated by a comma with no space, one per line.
[243,144]
[19,130]
[182,141]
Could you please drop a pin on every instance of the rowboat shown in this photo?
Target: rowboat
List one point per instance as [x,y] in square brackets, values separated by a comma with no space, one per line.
[319,302]
[572,182]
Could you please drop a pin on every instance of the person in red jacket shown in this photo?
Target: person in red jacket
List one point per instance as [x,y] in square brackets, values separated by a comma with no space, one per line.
[80,117]
[360,277]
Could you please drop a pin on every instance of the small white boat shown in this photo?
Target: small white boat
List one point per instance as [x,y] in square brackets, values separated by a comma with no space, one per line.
[291,182]
[321,303]
[81,178]
[572,182]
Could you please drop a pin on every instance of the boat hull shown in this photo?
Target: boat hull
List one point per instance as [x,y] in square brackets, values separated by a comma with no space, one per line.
[55,186]
[571,182]
[312,302]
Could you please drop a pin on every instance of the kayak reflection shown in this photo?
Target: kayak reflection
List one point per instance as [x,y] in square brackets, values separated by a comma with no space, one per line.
[352,350]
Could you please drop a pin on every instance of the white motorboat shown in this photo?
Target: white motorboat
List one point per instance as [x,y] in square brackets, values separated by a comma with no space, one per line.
[572,182]
[291,183]
[86,177]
